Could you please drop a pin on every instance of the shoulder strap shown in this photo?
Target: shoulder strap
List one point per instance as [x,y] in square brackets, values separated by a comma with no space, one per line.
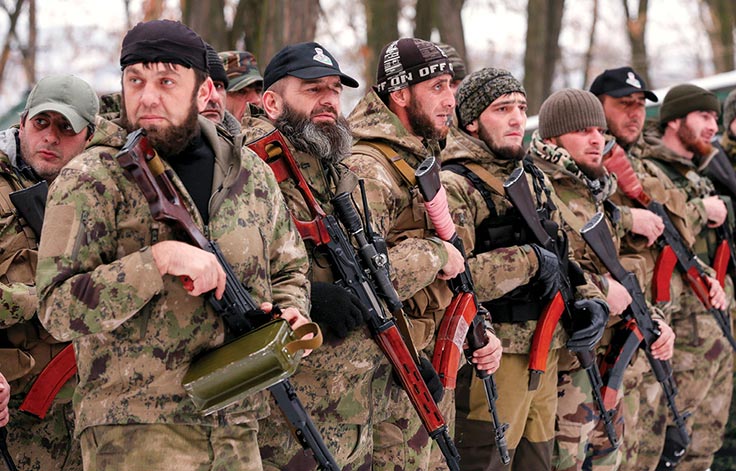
[479,184]
[404,169]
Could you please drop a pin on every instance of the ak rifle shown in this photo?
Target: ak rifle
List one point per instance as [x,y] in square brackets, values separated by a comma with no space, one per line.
[366,277]
[518,191]
[465,318]
[639,331]
[237,307]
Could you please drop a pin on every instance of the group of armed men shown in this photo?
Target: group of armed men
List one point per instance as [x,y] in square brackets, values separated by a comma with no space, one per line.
[134,296]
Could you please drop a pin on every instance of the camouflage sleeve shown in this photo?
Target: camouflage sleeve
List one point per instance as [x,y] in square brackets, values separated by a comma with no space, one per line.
[627,222]
[697,217]
[18,299]
[499,271]
[84,286]
[415,261]
[288,257]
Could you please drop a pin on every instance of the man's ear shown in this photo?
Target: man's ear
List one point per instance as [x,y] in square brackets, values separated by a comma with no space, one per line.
[472,128]
[203,94]
[273,104]
[400,97]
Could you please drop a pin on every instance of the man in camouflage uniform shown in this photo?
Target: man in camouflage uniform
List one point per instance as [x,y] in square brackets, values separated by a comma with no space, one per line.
[56,124]
[569,147]
[245,83]
[623,94]
[302,100]
[109,275]
[397,125]
[509,269]
[679,149]
[216,108]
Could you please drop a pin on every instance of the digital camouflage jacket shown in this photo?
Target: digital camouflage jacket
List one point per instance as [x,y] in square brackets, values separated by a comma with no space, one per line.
[134,331]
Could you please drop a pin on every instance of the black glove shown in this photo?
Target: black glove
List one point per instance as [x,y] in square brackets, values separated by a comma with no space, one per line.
[336,310]
[590,317]
[548,274]
[432,379]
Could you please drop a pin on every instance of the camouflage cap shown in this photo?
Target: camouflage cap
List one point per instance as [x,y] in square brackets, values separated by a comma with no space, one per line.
[458,66]
[482,88]
[68,95]
[242,69]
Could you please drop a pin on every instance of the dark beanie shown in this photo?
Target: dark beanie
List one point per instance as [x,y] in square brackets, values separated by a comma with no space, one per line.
[408,61]
[684,99]
[729,109]
[214,63]
[482,88]
[458,66]
[163,41]
[570,110]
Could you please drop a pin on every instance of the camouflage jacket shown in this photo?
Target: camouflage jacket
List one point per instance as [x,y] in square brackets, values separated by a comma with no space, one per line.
[501,270]
[134,331]
[397,208]
[345,361]
[687,176]
[26,347]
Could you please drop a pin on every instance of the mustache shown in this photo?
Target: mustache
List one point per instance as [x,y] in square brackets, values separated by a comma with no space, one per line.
[325,109]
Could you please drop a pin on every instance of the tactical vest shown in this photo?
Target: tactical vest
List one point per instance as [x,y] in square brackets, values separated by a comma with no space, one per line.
[507,230]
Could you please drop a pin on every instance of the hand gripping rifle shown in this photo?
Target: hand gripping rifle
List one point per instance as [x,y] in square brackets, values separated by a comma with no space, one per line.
[674,250]
[464,319]
[366,277]
[237,308]
[639,331]
[518,191]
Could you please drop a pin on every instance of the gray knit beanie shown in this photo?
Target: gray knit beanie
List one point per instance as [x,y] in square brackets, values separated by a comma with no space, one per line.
[684,99]
[570,110]
[482,88]
[729,109]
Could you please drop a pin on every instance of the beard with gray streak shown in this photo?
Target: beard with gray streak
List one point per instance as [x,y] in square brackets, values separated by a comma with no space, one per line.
[331,142]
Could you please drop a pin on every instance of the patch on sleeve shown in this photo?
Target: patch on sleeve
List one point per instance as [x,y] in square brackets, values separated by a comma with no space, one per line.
[58,224]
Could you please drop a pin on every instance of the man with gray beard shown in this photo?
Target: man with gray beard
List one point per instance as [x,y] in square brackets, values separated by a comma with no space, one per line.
[303,84]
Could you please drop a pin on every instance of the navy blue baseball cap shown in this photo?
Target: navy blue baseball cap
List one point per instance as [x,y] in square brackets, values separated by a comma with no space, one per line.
[305,61]
[620,82]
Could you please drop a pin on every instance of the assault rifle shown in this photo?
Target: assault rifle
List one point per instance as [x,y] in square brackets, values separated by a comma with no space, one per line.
[237,308]
[674,251]
[464,318]
[366,277]
[518,191]
[9,463]
[639,331]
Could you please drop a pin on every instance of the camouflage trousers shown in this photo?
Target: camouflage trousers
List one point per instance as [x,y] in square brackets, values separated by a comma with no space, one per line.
[530,415]
[163,447]
[48,444]
[579,432]
[334,384]
[642,402]
[400,441]
[437,461]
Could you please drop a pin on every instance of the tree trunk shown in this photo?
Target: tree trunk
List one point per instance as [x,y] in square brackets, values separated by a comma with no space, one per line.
[207,18]
[152,10]
[591,44]
[450,25]
[636,30]
[722,15]
[29,52]
[544,22]
[12,24]
[425,19]
[278,29]
[382,27]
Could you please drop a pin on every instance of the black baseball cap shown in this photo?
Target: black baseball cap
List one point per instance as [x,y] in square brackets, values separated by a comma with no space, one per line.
[621,82]
[305,61]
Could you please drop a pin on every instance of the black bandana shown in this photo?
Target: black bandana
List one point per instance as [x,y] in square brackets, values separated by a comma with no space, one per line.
[163,41]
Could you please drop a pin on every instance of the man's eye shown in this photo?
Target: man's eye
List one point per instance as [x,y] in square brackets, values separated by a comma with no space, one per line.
[40,122]
[167,81]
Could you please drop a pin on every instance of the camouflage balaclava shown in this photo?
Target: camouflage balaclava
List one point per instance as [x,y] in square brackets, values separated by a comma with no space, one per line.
[482,88]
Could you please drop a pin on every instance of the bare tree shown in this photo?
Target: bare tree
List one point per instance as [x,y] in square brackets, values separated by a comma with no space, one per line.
[382,27]
[591,43]
[444,16]
[544,22]
[207,18]
[13,16]
[636,28]
[720,21]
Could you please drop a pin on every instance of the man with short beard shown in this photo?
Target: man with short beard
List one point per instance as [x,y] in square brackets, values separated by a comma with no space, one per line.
[514,277]
[110,276]
[679,149]
[302,101]
[397,125]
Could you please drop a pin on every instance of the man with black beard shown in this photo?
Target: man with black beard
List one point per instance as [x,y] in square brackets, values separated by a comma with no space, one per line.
[680,149]
[109,275]
[303,85]
[514,277]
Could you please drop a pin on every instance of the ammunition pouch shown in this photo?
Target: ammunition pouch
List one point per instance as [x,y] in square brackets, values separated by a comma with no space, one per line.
[249,364]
